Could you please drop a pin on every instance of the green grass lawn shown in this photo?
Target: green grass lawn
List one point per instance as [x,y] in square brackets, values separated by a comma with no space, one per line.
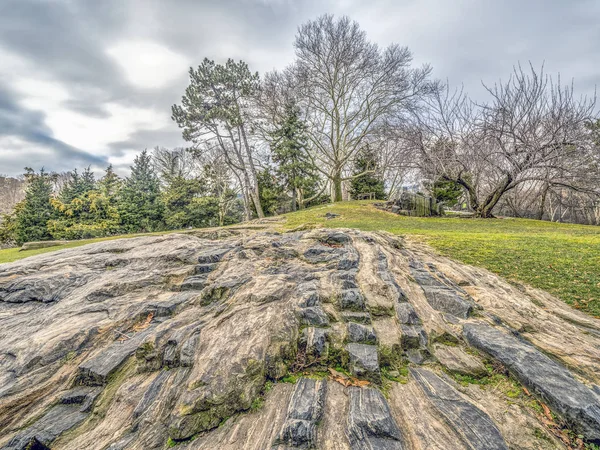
[563,259]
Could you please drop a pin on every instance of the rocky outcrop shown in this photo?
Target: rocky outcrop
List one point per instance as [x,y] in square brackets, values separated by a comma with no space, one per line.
[248,338]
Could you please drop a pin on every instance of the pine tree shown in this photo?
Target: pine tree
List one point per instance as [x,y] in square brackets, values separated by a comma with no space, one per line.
[289,149]
[36,210]
[269,191]
[110,184]
[366,179]
[77,185]
[139,203]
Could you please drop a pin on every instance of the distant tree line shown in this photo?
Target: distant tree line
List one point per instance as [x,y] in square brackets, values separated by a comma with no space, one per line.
[347,119]
[165,190]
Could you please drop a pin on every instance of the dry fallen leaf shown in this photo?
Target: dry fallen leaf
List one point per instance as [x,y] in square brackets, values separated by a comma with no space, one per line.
[526,391]
[145,324]
[547,412]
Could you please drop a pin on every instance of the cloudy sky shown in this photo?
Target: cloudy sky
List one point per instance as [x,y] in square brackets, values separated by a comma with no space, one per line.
[91,82]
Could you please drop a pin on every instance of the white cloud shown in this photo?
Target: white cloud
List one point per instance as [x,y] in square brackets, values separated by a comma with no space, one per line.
[147,64]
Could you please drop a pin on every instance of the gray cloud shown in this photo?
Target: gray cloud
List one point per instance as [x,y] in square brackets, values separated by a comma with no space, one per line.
[466,41]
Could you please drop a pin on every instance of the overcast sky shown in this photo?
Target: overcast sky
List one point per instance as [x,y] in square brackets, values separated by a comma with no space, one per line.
[91,82]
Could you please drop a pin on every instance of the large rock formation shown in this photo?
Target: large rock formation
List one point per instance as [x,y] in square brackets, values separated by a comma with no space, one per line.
[247,338]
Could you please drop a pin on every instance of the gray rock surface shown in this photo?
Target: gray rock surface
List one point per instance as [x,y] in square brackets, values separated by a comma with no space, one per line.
[305,410]
[102,347]
[440,295]
[474,427]
[370,422]
[545,378]
[361,333]
[364,362]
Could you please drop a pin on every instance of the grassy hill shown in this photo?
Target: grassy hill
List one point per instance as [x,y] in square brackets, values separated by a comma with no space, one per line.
[563,259]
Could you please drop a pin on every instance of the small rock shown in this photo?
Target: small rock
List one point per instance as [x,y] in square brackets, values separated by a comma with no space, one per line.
[406,314]
[194,283]
[204,268]
[361,333]
[364,362]
[314,316]
[352,299]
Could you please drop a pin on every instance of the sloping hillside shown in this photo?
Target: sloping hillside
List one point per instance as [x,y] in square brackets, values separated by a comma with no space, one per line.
[254,339]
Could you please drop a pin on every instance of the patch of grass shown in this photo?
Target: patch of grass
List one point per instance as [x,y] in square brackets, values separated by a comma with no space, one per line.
[563,259]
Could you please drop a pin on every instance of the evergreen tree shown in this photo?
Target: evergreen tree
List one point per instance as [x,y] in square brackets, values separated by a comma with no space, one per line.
[179,200]
[140,208]
[83,209]
[289,149]
[110,184]
[36,210]
[366,179]
[270,192]
[77,185]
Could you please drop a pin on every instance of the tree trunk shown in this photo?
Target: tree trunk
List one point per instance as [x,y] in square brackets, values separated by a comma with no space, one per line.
[540,215]
[254,191]
[336,194]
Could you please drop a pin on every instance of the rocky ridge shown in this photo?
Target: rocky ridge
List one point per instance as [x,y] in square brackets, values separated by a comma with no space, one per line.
[247,338]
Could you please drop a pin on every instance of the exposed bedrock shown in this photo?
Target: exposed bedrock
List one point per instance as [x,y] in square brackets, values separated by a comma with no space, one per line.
[195,341]
[547,379]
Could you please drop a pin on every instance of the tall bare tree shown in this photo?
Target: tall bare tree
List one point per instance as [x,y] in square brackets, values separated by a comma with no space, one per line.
[350,90]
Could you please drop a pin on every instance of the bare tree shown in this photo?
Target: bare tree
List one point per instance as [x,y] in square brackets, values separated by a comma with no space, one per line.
[350,89]
[174,163]
[532,130]
[12,191]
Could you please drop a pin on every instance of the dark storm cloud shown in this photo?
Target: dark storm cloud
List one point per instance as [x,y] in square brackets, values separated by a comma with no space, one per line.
[466,41]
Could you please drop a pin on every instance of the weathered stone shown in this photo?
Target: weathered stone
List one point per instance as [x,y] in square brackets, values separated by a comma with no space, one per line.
[545,378]
[441,296]
[83,396]
[474,427]
[335,237]
[371,425]
[406,314]
[204,268]
[96,370]
[42,287]
[364,362]
[213,255]
[457,360]
[361,333]
[413,336]
[352,299]
[304,413]
[151,394]
[188,349]
[349,260]
[41,434]
[358,317]
[315,340]
[446,300]
[386,276]
[314,316]
[193,283]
